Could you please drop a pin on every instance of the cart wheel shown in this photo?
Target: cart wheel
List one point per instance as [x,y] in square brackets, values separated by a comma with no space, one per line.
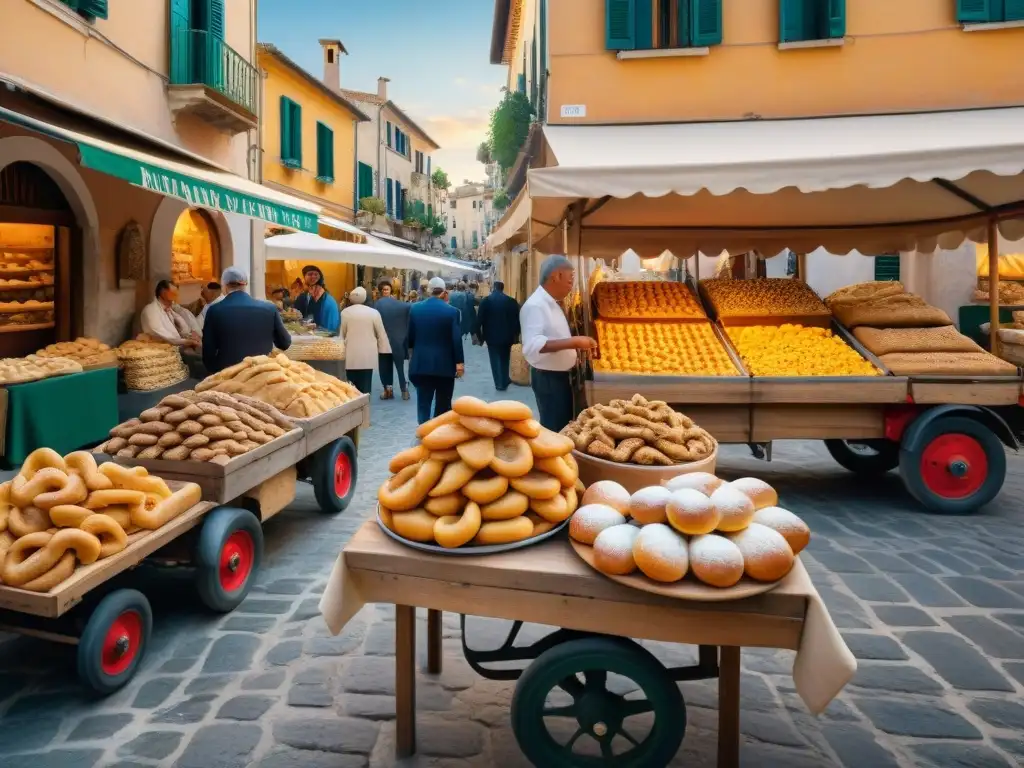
[114,641]
[959,468]
[335,471]
[599,721]
[229,552]
[865,457]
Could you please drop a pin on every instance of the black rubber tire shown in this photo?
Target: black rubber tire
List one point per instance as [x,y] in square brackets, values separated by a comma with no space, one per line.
[324,487]
[995,454]
[886,456]
[91,644]
[589,655]
[218,528]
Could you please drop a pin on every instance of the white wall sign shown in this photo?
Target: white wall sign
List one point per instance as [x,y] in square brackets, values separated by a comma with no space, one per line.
[574,110]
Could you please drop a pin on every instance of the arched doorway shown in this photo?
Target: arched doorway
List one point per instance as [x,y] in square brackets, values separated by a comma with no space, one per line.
[38,304]
[195,248]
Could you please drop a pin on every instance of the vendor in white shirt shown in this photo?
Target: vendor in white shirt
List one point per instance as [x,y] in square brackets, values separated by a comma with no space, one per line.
[549,346]
[164,319]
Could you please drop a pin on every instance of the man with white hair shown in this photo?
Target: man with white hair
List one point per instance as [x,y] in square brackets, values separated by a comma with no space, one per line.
[548,344]
[362,330]
[238,326]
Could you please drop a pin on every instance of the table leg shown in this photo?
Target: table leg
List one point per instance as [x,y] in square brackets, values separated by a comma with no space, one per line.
[729,707]
[434,642]
[405,681]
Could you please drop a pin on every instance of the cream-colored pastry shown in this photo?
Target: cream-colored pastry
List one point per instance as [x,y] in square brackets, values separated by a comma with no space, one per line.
[691,512]
[607,492]
[766,554]
[735,508]
[794,530]
[716,560]
[589,520]
[613,550]
[648,504]
[757,490]
[660,553]
[704,482]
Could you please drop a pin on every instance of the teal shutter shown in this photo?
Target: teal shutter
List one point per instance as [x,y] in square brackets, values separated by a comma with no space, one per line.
[643,26]
[455,242]
[365,181]
[684,30]
[181,23]
[297,134]
[793,20]
[286,129]
[706,22]
[887,268]
[91,9]
[620,25]
[1014,10]
[390,200]
[389,133]
[836,19]
[324,153]
[521,83]
[216,19]
[974,11]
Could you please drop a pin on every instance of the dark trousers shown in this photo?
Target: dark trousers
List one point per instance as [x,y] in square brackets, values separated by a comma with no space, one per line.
[387,365]
[554,398]
[361,379]
[499,355]
[433,389]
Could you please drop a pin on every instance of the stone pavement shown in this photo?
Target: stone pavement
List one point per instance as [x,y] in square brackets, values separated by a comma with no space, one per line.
[932,607]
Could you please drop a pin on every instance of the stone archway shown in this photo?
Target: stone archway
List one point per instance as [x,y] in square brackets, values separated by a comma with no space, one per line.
[161,233]
[41,153]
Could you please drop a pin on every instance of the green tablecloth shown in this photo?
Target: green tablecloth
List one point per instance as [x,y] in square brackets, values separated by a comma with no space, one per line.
[64,413]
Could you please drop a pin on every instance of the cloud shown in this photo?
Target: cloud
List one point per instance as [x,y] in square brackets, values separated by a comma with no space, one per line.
[451,131]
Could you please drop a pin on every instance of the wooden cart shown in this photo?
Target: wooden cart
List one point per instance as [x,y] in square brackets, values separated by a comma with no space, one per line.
[221,539]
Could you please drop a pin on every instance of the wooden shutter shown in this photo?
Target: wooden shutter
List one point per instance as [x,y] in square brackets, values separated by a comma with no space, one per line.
[216,19]
[793,20]
[324,152]
[390,198]
[181,23]
[705,22]
[643,25]
[620,25]
[389,133]
[1014,10]
[974,11]
[887,268]
[836,19]
[286,128]
[91,9]
[297,134]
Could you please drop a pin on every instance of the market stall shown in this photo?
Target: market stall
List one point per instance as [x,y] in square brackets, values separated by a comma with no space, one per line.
[879,184]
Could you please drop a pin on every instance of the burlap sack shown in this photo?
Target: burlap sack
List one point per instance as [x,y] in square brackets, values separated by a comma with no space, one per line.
[876,289]
[885,341]
[519,369]
[947,364]
[902,310]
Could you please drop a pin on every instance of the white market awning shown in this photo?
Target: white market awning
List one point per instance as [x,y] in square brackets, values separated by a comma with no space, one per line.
[876,183]
[512,223]
[375,253]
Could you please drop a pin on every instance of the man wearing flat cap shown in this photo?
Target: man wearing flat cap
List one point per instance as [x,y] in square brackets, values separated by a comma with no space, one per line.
[238,326]
[316,302]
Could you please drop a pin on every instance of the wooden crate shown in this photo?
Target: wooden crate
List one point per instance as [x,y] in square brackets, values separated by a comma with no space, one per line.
[327,427]
[995,390]
[69,593]
[828,389]
[672,389]
[816,422]
[222,483]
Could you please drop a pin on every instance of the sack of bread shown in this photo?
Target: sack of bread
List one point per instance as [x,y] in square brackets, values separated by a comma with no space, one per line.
[197,426]
[61,512]
[947,364]
[292,387]
[854,294]
[480,474]
[695,525]
[901,310]
[884,341]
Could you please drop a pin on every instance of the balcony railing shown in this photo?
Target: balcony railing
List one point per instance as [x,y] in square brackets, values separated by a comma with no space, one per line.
[200,58]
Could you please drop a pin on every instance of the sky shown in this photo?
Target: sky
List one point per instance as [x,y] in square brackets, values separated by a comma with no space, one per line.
[437,55]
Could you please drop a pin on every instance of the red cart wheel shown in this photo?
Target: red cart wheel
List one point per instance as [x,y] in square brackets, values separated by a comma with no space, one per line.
[342,475]
[114,640]
[335,471]
[959,466]
[227,556]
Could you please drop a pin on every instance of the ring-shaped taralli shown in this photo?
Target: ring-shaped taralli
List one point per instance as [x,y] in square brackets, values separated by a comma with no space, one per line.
[411,493]
[112,537]
[69,515]
[168,508]
[424,429]
[22,522]
[41,458]
[512,455]
[115,497]
[74,492]
[60,572]
[415,525]
[45,480]
[119,513]
[6,507]
[6,539]
[484,490]
[453,531]
[407,458]
[454,476]
[553,510]
[84,464]
[33,555]
[558,468]
[504,531]
[135,479]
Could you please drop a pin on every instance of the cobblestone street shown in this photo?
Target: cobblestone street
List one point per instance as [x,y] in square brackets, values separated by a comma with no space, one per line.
[932,607]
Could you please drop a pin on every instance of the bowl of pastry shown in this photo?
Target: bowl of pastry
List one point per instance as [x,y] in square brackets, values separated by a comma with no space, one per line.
[638,443]
[695,538]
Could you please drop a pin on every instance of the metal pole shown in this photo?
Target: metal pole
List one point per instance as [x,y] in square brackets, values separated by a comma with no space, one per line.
[993,285]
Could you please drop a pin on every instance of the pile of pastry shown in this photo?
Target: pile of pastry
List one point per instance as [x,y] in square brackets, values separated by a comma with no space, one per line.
[647,299]
[31,312]
[60,512]
[150,365]
[316,348]
[85,351]
[678,349]
[483,473]
[197,426]
[639,431]
[294,388]
[696,523]
[763,296]
[793,350]
[19,370]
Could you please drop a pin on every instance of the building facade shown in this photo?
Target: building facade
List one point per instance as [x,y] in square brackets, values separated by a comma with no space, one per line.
[469,213]
[128,136]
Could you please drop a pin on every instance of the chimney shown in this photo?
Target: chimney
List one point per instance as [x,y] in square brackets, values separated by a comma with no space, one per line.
[382,87]
[333,49]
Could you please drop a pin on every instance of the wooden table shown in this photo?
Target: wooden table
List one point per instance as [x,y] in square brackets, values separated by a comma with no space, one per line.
[549,584]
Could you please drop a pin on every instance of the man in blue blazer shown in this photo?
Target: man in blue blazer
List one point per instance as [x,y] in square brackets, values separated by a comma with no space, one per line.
[435,343]
[238,326]
[497,326]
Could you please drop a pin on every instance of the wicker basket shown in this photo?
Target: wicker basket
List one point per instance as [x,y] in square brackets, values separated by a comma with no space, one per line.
[519,369]
[633,477]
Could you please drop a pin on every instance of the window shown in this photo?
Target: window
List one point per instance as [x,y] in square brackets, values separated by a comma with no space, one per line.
[474,205]
[801,20]
[291,133]
[454,201]
[89,9]
[887,267]
[455,241]
[989,11]
[636,25]
[324,153]
[453,224]
[365,181]
[390,198]
[389,133]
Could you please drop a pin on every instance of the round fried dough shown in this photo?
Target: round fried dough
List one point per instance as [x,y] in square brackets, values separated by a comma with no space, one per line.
[537,485]
[482,426]
[452,504]
[409,456]
[554,510]
[558,467]
[454,476]
[413,491]
[512,504]
[477,453]
[484,490]
[528,428]
[447,436]
[424,429]
[549,444]
[512,455]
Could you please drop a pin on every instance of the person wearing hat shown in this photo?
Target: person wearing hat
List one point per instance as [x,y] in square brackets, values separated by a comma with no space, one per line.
[316,302]
[365,339]
[435,343]
[238,326]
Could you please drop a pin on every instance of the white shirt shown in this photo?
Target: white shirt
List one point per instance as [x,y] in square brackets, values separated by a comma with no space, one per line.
[202,313]
[162,323]
[543,320]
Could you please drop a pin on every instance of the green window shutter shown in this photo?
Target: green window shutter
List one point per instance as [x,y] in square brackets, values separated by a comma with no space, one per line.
[836,19]
[620,25]
[521,83]
[705,22]
[1014,10]
[324,152]
[887,268]
[365,181]
[390,196]
[216,19]
[91,9]
[643,26]
[684,30]
[297,134]
[389,133]
[793,20]
[533,73]
[286,129]
[974,11]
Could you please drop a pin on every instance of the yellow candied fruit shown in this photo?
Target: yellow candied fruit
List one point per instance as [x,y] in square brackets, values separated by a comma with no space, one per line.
[647,300]
[679,349]
[795,350]
[777,296]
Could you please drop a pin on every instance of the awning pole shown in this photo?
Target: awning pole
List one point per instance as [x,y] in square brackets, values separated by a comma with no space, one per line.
[801,266]
[993,285]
